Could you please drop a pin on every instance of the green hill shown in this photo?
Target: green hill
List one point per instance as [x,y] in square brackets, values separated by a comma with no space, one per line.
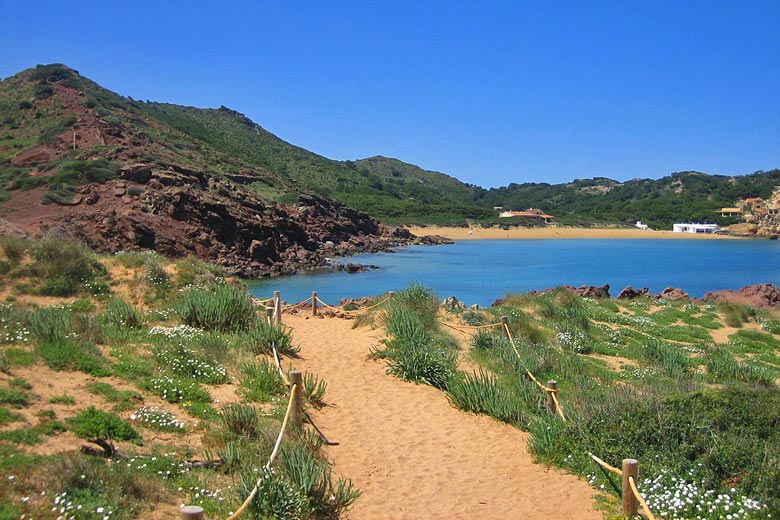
[682,196]
[40,107]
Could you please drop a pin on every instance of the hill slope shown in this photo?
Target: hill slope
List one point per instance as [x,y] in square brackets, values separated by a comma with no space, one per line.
[52,115]
[82,160]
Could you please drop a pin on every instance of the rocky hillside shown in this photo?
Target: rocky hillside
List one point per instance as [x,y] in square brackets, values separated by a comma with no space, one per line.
[78,159]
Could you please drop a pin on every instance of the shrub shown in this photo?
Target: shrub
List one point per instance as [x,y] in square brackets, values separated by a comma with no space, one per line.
[65,266]
[242,420]
[263,335]
[221,307]
[75,173]
[667,357]
[314,389]
[482,393]
[312,475]
[123,399]
[96,424]
[191,270]
[276,498]
[260,381]
[721,364]
[418,363]
[73,355]
[121,313]
[734,315]
[89,488]
[14,248]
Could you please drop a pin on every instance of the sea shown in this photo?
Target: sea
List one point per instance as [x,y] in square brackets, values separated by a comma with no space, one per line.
[481,271]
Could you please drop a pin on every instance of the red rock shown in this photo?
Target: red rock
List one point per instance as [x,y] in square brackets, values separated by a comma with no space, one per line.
[761,295]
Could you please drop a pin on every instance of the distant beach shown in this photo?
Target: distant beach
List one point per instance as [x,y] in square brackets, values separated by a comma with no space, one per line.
[462,233]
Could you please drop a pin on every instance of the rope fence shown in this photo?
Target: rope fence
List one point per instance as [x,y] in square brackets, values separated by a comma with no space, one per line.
[293,413]
[271,459]
[629,473]
[274,307]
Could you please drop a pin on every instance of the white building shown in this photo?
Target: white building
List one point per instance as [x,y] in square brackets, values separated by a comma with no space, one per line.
[695,228]
[641,226]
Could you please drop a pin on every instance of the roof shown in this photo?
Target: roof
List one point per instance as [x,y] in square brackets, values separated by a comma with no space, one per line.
[731,210]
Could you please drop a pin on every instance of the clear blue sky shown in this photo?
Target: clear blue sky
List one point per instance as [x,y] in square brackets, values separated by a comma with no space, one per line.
[490,92]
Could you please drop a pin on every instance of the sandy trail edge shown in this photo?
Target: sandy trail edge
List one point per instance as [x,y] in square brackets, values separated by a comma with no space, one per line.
[412,454]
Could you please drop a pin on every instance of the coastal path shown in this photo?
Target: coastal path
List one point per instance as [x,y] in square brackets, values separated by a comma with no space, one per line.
[412,454]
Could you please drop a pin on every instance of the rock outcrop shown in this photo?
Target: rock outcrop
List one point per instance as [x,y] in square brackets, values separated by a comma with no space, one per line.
[761,295]
[629,293]
[672,294]
[179,212]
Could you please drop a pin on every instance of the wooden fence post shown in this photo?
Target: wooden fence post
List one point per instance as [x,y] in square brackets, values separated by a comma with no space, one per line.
[505,328]
[630,503]
[296,415]
[390,295]
[314,303]
[269,315]
[192,513]
[552,387]
[277,307]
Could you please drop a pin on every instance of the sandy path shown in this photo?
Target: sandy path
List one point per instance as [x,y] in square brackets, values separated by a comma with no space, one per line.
[415,456]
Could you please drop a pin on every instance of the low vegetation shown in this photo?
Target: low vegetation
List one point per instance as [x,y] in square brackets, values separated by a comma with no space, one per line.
[141,369]
[642,379]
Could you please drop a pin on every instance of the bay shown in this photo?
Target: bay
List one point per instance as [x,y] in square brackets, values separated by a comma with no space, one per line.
[480,271]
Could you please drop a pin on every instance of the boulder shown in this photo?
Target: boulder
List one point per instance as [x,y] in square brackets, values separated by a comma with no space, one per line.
[591,291]
[672,294]
[452,304]
[629,293]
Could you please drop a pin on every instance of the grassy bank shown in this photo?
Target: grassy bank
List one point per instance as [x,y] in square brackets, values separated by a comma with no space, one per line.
[131,384]
[688,390]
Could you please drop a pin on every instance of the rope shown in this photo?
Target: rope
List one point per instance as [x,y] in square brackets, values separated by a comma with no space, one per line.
[512,341]
[558,408]
[605,465]
[337,309]
[469,327]
[299,303]
[279,365]
[271,459]
[639,497]
[552,391]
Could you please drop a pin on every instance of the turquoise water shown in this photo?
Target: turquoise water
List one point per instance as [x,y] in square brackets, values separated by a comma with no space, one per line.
[480,271]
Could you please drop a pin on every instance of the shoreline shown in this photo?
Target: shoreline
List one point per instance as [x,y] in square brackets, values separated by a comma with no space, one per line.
[554,232]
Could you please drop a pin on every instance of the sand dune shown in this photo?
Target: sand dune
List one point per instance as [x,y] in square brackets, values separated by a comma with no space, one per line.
[412,453]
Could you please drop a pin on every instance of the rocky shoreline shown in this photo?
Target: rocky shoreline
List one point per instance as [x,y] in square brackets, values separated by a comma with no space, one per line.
[759,295]
[179,212]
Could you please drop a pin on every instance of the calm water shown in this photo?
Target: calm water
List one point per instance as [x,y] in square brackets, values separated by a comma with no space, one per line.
[479,271]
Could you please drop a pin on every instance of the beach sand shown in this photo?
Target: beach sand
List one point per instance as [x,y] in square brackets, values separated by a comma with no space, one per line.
[413,454]
[458,233]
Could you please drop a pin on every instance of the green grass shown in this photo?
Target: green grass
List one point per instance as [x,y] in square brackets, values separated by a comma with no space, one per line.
[482,393]
[15,398]
[122,400]
[221,307]
[260,381]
